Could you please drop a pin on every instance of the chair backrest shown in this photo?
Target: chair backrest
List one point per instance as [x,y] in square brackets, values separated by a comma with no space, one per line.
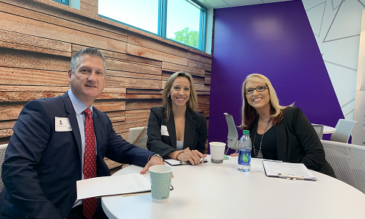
[319,130]
[2,157]
[343,130]
[138,137]
[348,162]
[232,137]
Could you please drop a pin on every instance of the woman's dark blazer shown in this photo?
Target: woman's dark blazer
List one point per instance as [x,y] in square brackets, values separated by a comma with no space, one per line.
[298,142]
[195,134]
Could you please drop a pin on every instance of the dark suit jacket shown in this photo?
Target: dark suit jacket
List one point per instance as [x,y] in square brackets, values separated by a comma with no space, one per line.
[195,134]
[298,142]
[42,166]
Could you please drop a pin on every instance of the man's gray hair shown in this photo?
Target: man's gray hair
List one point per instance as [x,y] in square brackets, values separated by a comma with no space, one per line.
[75,61]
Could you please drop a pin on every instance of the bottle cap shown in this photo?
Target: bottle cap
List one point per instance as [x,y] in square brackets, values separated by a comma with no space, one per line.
[246,132]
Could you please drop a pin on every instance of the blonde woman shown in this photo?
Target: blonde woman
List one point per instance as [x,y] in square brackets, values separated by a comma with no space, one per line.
[279,132]
[175,130]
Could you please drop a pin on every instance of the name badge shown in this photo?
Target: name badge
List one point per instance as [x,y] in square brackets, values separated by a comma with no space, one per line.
[164,130]
[62,124]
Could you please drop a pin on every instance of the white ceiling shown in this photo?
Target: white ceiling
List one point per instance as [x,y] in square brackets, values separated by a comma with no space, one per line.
[234,3]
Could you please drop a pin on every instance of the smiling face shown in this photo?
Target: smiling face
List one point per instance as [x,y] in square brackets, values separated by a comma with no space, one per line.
[87,82]
[258,100]
[180,92]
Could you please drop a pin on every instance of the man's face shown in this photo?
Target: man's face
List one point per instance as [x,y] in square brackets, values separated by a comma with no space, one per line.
[87,82]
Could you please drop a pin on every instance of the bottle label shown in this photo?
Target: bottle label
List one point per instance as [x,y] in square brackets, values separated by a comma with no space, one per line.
[244,157]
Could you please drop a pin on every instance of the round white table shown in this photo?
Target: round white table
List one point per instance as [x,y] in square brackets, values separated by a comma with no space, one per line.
[220,191]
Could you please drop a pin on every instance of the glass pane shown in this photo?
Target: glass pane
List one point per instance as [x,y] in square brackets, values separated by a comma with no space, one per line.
[139,13]
[183,21]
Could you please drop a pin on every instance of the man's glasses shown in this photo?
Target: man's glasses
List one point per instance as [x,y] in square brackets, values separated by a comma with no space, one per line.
[258,89]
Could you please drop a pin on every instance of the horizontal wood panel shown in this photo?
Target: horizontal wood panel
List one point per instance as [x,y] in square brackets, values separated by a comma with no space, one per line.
[117,119]
[6,133]
[125,66]
[7,124]
[10,111]
[22,76]
[30,43]
[133,75]
[199,65]
[207,79]
[142,104]
[120,56]
[110,105]
[170,67]
[137,115]
[23,25]
[24,59]
[143,91]
[116,114]
[154,54]
[132,83]
[199,58]
[42,17]
[143,41]
[143,96]
[64,12]
[123,127]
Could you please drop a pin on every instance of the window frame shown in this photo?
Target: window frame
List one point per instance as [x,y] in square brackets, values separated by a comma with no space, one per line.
[67,2]
[162,22]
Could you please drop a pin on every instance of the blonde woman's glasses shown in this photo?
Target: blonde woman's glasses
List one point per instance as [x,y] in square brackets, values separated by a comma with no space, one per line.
[258,89]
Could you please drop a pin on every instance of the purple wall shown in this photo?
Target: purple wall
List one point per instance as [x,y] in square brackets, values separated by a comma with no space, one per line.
[275,40]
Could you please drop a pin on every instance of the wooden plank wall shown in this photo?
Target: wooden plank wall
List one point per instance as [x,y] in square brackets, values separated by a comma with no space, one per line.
[39,37]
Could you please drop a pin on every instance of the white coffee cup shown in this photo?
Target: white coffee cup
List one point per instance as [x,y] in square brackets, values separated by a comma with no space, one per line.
[217,152]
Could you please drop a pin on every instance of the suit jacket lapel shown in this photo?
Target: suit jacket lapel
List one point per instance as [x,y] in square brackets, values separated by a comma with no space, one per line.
[281,138]
[73,121]
[171,129]
[190,128]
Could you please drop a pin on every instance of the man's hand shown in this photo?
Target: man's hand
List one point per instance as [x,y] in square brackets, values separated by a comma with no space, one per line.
[155,160]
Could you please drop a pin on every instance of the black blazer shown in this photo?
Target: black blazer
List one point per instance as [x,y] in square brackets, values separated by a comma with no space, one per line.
[298,142]
[195,134]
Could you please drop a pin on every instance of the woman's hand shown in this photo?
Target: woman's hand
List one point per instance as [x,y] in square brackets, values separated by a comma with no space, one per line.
[193,156]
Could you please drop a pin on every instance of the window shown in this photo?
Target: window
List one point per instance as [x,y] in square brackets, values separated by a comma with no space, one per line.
[182,21]
[142,14]
[65,2]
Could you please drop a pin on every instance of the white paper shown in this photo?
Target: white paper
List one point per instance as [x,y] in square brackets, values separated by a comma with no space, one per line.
[273,168]
[172,162]
[62,124]
[164,130]
[116,185]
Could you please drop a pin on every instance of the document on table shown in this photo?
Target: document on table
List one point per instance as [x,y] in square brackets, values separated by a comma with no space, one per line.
[287,170]
[116,185]
[173,162]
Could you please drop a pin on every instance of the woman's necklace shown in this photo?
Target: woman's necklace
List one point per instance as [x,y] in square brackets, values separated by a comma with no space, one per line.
[259,153]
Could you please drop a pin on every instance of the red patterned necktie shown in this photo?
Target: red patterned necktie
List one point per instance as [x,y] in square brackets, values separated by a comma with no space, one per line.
[89,162]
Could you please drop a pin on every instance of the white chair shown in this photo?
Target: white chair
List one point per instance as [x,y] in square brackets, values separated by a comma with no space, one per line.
[343,130]
[232,138]
[2,157]
[138,137]
[348,162]
[319,130]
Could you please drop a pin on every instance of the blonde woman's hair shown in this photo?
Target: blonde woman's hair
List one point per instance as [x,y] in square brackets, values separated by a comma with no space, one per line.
[166,100]
[249,113]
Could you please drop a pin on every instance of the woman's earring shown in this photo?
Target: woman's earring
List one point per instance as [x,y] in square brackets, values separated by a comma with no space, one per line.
[168,95]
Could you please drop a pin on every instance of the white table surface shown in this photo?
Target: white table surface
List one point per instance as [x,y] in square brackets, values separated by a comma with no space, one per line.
[221,191]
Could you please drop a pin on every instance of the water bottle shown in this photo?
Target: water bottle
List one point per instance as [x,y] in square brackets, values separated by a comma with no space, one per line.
[244,154]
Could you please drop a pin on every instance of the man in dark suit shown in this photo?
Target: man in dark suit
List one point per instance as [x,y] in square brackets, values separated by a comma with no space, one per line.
[60,140]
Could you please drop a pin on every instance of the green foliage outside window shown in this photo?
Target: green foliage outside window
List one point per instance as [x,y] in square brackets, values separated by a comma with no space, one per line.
[187,37]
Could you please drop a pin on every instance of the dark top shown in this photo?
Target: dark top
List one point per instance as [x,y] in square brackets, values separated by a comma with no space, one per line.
[269,144]
[298,142]
[195,134]
[42,165]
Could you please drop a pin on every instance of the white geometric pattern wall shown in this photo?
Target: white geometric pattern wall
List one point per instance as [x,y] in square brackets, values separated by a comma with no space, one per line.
[336,25]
